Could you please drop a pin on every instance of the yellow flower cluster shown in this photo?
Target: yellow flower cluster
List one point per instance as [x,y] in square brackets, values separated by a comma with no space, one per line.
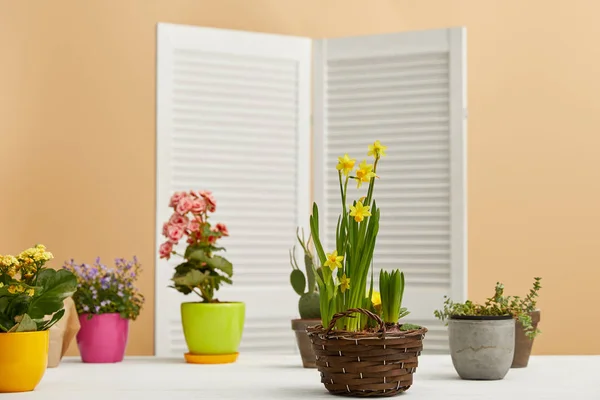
[9,265]
[334,261]
[28,262]
[16,289]
[35,255]
[33,258]
[364,172]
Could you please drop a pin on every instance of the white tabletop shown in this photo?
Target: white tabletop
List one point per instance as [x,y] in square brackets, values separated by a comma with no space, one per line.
[268,377]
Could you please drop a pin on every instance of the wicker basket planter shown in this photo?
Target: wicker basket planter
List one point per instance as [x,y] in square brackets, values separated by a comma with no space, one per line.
[366,364]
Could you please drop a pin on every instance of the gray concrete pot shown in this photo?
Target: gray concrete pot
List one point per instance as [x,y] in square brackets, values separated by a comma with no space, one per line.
[482,348]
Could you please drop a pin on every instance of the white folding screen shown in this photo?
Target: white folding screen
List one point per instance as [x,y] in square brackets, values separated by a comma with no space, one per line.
[408,91]
[233,118]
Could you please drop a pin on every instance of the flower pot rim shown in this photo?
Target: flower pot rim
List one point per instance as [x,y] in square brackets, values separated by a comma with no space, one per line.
[221,303]
[105,313]
[481,317]
[99,315]
[25,333]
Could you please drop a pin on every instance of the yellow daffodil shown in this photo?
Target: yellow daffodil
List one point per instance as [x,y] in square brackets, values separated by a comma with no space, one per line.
[345,164]
[334,261]
[377,149]
[376,299]
[31,292]
[344,283]
[364,173]
[359,212]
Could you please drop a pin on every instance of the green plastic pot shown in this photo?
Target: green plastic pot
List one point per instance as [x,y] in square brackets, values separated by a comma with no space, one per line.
[213,328]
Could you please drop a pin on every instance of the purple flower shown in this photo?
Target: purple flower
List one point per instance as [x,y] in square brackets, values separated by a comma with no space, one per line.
[97,308]
[105,282]
[120,294]
[86,308]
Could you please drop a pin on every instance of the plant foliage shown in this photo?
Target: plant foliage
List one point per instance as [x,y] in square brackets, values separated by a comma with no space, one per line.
[202,271]
[497,305]
[346,268]
[31,295]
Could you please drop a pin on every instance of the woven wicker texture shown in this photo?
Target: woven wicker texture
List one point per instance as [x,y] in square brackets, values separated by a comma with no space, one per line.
[366,364]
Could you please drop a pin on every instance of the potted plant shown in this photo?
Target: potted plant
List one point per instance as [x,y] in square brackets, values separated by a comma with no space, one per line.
[482,336]
[361,348]
[305,285]
[106,300]
[526,328]
[212,329]
[31,301]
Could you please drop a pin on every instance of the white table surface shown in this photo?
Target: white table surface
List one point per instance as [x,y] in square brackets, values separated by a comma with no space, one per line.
[268,377]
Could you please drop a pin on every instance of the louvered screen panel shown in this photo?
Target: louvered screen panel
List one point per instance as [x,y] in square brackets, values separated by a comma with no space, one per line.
[398,94]
[234,121]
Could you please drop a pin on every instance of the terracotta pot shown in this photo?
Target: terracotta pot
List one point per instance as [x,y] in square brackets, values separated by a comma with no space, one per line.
[304,343]
[523,344]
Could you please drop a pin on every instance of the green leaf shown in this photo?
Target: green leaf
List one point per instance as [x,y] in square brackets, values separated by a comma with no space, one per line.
[298,281]
[181,288]
[314,229]
[55,318]
[191,278]
[26,324]
[17,305]
[403,313]
[190,249]
[184,268]
[56,287]
[214,262]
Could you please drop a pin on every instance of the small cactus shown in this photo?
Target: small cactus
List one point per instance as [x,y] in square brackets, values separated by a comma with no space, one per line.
[308,305]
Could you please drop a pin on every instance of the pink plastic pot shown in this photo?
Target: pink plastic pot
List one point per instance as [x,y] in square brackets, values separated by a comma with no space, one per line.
[103,338]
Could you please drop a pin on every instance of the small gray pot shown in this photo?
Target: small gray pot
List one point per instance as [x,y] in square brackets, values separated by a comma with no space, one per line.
[482,348]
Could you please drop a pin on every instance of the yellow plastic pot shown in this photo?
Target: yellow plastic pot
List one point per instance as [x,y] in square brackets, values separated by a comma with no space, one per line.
[23,360]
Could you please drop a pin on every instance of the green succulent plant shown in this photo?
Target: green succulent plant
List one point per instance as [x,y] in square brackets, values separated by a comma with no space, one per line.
[497,305]
[304,283]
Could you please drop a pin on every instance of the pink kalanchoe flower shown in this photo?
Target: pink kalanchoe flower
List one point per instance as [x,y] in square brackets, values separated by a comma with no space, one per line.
[179,220]
[165,230]
[184,205]
[222,229]
[198,206]
[211,203]
[212,239]
[175,198]
[165,250]
[174,233]
[194,225]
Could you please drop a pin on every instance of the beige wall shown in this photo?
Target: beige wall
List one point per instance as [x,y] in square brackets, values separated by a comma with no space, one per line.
[77,128]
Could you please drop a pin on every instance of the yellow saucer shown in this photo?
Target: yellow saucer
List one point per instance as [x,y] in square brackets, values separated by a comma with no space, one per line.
[210,358]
